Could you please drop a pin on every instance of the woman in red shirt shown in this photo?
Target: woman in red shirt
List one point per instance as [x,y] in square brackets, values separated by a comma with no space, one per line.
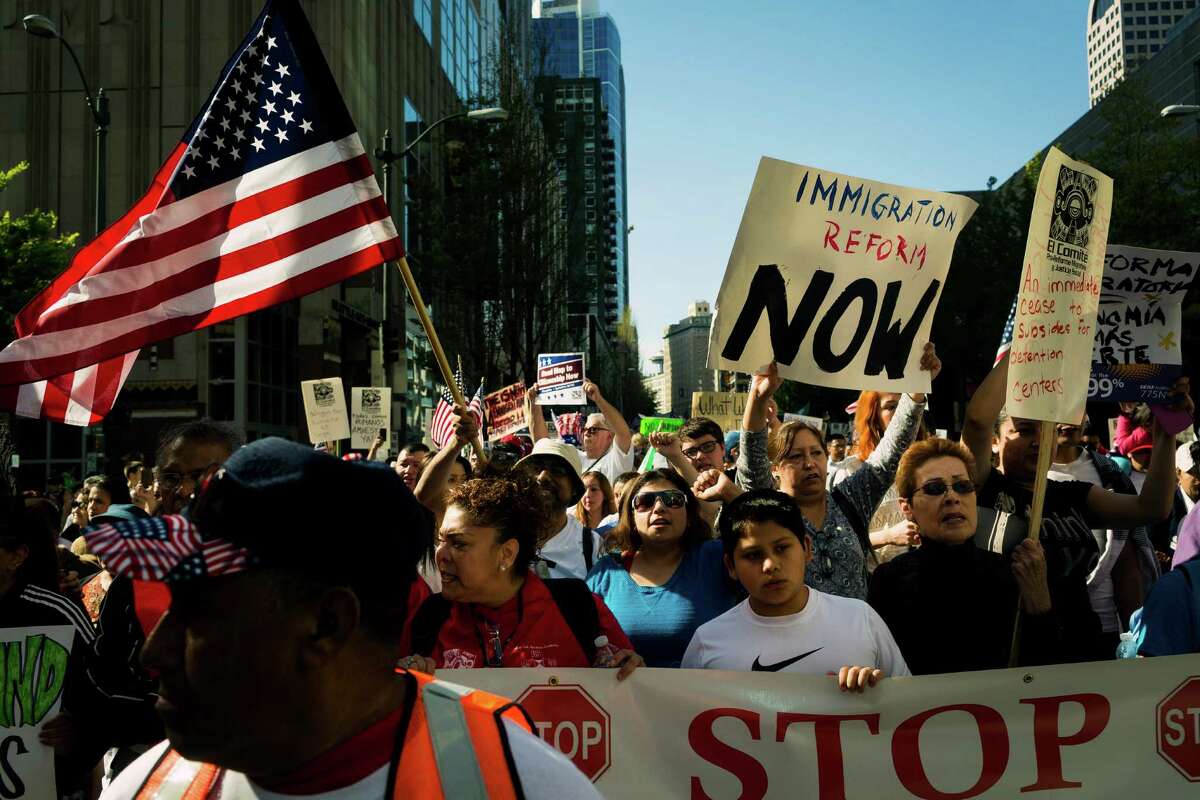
[493,611]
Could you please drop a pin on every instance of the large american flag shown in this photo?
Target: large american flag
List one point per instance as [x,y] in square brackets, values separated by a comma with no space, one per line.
[269,196]
[168,548]
[441,428]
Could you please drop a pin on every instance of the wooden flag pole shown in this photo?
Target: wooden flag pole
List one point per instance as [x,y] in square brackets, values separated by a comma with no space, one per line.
[1046,448]
[438,352]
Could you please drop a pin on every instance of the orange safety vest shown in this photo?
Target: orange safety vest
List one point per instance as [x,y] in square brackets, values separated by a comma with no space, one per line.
[455,747]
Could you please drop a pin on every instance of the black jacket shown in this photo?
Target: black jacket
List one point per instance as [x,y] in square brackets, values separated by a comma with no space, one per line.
[951,608]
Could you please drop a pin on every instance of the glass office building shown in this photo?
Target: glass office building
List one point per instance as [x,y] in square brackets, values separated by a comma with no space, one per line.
[574,39]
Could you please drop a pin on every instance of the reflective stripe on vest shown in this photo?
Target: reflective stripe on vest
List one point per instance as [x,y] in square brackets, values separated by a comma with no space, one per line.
[454,748]
[175,778]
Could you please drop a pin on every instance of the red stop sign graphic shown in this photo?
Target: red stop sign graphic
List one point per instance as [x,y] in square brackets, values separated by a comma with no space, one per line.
[1179,728]
[572,722]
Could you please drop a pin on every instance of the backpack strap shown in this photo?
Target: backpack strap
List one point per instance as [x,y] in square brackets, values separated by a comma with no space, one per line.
[856,522]
[427,624]
[589,548]
[575,602]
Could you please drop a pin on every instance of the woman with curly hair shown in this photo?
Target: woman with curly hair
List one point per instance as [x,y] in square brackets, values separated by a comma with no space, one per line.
[669,577]
[493,611]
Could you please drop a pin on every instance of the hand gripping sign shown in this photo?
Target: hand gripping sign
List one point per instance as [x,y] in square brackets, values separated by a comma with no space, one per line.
[836,278]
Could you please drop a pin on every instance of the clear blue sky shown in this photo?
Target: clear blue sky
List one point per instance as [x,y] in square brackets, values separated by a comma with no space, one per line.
[936,94]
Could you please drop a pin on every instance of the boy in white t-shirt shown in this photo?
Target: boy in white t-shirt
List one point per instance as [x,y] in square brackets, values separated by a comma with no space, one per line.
[784,625]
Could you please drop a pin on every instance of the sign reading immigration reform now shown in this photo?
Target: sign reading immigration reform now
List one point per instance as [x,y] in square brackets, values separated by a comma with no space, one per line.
[1055,321]
[835,278]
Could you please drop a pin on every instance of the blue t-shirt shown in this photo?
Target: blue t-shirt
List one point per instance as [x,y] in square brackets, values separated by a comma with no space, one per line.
[1170,621]
[660,620]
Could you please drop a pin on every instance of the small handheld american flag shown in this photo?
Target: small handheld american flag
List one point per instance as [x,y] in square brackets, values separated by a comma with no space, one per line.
[1007,337]
[441,429]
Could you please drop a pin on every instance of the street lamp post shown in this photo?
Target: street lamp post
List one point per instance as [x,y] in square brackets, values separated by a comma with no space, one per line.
[41,27]
[1182,110]
[386,157]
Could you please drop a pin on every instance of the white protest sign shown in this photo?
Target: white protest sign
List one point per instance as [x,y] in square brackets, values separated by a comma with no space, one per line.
[370,411]
[325,408]
[33,672]
[1034,732]
[836,278]
[560,379]
[1055,321]
[1137,353]
[814,422]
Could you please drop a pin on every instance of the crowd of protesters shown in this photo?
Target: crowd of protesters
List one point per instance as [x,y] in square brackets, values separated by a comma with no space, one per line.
[774,548]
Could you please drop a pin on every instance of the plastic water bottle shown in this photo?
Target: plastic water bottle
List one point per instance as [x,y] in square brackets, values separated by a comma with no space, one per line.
[1128,647]
[605,652]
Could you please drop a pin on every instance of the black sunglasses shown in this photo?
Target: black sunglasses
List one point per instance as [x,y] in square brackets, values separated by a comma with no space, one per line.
[938,487]
[672,498]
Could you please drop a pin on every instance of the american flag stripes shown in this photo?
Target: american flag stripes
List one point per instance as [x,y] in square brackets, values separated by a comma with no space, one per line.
[441,428]
[167,548]
[269,196]
[1007,337]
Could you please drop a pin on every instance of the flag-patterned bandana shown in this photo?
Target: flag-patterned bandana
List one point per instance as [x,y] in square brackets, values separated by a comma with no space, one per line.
[169,549]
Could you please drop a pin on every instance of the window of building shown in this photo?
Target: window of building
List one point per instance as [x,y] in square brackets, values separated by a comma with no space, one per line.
[460,47]
[423,11]
[591,256]
[1153,48]
[591,202]
[591,215]
[589,161]
[590,187]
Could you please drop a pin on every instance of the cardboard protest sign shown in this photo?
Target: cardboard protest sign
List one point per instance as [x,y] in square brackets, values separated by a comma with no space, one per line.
[370,410]
[724,408]
[1136,355]
[560,379]
[505,409]
[650,425]
[325,408]
[1055,320]
[33,667]
[836,278]
[816,422]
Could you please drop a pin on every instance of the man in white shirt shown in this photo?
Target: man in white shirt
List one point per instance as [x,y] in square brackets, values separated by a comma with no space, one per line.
[570,549]
[607,440]
[784,625]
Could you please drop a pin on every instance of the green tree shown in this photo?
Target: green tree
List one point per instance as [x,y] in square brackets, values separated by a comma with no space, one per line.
[32,253]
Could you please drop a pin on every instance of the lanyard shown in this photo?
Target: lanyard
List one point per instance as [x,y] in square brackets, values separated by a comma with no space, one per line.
[493,637]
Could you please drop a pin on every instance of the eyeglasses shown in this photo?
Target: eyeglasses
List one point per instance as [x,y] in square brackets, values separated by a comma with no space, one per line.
[593,431]
[173,480]
[706,448]
[938,487]
[671,498]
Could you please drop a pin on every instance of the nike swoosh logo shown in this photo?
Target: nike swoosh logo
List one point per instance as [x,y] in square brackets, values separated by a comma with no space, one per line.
[757,667]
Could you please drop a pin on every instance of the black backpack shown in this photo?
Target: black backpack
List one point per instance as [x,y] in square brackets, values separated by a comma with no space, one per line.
[571,595]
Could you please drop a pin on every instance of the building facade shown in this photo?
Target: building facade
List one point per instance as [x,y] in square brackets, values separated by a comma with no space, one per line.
[577,131]
[685,359]
[1122,35]
[399,65]
[574,39]
[655,383]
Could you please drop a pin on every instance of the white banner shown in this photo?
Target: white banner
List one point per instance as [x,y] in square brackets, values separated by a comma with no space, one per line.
[33,670]
[1107,730]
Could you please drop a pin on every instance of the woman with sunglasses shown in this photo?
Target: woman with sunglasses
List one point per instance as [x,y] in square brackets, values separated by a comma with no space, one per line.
[669,577]
[951,606]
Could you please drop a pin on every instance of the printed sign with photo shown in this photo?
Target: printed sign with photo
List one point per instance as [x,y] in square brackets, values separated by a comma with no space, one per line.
[1055,321]
[370,412]
[560,379]
[325,409]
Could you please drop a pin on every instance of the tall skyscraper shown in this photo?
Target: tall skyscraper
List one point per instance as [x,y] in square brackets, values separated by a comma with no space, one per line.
[1122,35]
[574,39]
[685,357]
